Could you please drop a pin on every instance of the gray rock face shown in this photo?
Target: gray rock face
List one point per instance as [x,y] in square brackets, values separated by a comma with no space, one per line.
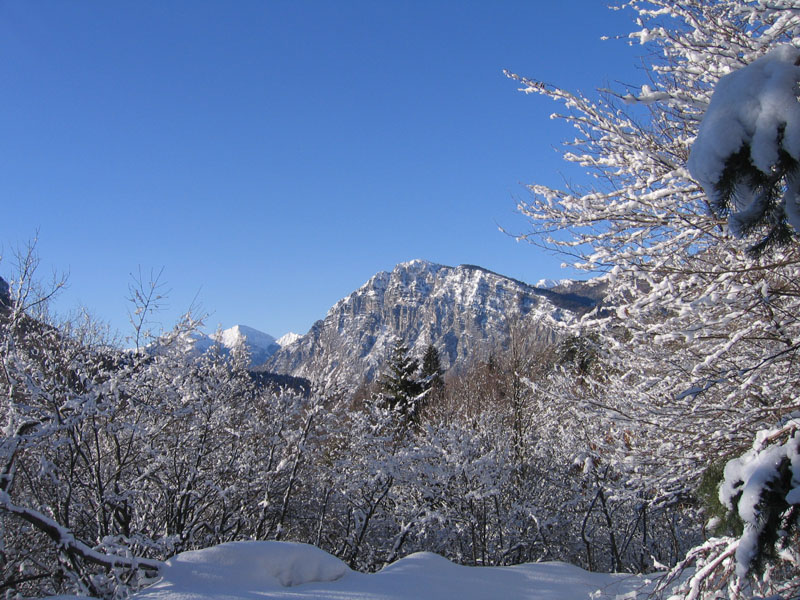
[464,311]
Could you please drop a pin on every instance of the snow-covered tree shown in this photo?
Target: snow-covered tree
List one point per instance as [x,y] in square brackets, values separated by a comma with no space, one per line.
[747,149]
[431,371]
[746,156]
[401,389]
[57,385]
[702,333]
[113,460]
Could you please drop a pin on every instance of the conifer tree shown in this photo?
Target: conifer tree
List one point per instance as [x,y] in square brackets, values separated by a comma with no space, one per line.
[748,146]
[432,369]
[431,378]
[400,387]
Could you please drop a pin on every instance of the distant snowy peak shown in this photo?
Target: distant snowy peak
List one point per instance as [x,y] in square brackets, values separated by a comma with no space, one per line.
[551,283]
[242,333]
[287,339]
[260,345]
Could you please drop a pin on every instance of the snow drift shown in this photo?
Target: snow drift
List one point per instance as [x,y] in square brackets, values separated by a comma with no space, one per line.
[283,570]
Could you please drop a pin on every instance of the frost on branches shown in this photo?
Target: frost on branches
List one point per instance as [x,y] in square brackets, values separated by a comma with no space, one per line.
[112,460]
[701,333]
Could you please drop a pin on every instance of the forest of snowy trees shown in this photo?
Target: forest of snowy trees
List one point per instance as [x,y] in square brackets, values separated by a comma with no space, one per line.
[660,432]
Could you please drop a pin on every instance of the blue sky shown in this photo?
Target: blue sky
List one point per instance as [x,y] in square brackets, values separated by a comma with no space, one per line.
[272,155]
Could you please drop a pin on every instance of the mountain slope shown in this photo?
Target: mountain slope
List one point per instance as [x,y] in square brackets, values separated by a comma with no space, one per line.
[465,311]
[288,338]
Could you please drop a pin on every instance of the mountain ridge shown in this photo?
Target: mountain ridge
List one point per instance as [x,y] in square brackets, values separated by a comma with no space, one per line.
[465,311]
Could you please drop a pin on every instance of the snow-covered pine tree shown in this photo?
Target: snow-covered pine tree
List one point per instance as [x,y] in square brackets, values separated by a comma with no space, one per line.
[401,388]
[5,294]
[431,371]
[747,149]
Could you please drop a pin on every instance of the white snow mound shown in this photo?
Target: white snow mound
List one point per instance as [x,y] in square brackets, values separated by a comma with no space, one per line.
[254,565]
[292,571]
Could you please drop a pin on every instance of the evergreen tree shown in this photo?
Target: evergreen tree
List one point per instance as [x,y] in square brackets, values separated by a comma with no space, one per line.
[747,150]
[400,387]
[431,378]
[5,293]
[432,369]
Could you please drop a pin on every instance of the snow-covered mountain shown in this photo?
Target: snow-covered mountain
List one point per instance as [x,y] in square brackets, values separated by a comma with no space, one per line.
[288,338]
[465,311]
[551,283]
[260,345]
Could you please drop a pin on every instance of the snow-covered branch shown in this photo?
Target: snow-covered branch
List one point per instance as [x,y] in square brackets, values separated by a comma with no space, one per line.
[65,540]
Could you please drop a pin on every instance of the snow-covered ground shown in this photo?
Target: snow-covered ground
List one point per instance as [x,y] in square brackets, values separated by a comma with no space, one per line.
[287,570]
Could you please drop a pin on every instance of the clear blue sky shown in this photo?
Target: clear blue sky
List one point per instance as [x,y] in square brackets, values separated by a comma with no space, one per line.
[273,155]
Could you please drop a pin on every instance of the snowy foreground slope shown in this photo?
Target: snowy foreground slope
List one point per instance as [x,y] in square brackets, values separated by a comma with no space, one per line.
[287,570]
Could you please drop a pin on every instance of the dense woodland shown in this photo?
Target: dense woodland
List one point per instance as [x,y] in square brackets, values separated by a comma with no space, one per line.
[660,432]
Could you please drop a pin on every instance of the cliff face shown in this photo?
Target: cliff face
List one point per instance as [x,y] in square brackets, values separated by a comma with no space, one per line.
[464,311]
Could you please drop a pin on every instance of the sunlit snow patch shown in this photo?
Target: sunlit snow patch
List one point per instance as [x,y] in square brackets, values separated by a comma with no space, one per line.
[283,571]
[241,568]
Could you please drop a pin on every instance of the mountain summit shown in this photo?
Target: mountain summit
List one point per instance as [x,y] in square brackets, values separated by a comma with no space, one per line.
[464,311]
[260,345]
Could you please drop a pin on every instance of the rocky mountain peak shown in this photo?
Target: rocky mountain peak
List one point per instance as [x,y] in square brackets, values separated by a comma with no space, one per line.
[464,311]
[260,345]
